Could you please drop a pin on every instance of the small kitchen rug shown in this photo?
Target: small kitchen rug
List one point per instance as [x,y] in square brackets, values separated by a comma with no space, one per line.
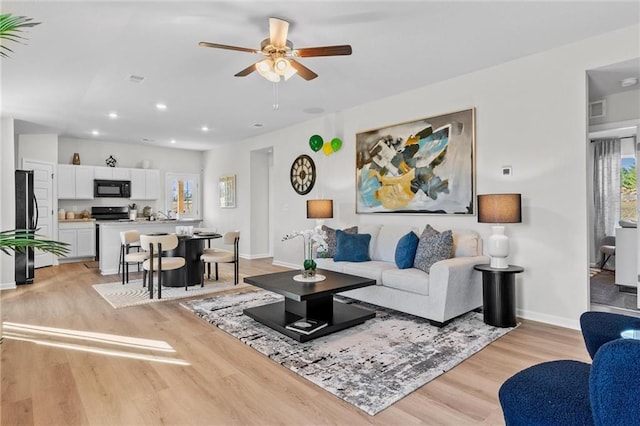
[132,293]
[370,366]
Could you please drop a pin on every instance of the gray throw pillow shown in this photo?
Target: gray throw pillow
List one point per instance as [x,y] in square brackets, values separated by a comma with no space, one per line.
[433,247]
[331,239]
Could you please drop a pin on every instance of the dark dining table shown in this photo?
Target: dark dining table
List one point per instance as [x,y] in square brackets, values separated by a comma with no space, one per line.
[191,248]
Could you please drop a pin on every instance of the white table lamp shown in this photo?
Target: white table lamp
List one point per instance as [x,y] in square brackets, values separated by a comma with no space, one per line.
[499,209]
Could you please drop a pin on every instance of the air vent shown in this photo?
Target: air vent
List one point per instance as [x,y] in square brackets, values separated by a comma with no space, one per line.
[597,109]
[136,78]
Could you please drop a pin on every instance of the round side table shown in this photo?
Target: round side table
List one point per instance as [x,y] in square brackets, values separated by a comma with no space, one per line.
[499,294]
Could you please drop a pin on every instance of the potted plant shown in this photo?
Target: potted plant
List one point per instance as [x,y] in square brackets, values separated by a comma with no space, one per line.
[18,240]
[10,29]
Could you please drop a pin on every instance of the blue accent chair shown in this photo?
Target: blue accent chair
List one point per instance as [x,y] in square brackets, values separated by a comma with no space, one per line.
[606,392]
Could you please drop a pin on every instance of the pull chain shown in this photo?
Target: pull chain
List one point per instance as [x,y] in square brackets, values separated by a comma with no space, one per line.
[276,106]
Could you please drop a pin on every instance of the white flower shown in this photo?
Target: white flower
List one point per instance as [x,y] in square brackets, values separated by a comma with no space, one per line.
[315,236]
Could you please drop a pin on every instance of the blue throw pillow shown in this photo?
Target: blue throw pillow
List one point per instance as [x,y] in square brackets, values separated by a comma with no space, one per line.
[352,247]
[406,250]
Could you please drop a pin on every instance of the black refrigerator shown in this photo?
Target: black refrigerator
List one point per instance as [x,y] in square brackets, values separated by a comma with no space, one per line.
[26,218]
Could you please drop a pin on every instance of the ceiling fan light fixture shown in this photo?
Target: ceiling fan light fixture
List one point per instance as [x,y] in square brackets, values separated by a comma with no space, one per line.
[266,69]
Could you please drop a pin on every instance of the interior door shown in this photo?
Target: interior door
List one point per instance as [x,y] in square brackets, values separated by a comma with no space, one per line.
[43,191]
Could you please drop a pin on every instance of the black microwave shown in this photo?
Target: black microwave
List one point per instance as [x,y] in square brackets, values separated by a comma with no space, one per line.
[111,188]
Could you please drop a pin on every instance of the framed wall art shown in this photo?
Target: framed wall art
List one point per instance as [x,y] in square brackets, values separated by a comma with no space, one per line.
[424,166]
[227,191]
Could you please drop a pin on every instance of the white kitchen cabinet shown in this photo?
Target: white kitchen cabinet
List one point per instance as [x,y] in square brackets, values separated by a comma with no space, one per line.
[145,184]
[115,173]
[75,182]
[81,237]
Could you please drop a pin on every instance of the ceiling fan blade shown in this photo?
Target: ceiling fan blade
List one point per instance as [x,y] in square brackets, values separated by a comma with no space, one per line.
[303,71]
[248,70]
[224,46]
[307,52]
[278,30]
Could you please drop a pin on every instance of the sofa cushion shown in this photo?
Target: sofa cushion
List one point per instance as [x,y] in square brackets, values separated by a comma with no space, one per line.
[331,239]
[433,247]
[385,245]
[373,269]
[329,264]
[352,247]
[412,280]
[406,250]
[466,243]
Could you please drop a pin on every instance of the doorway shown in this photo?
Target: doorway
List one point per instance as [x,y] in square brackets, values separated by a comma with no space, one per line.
[43,192]
[614,121]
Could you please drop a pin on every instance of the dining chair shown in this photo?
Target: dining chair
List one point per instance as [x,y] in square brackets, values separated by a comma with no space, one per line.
[130,240]
[216,255]
[157,245]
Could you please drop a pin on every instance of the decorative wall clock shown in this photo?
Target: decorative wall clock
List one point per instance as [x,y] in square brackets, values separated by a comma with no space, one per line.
[303,174]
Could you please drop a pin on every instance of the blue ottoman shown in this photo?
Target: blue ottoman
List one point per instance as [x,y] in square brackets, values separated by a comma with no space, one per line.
[551,393]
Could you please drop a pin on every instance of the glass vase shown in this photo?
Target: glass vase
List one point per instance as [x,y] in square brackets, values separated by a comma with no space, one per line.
[309,265]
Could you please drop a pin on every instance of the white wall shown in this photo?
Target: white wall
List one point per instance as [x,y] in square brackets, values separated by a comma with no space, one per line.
[531,114]
[620,107]
[259,187]
[94,153]
[7,200]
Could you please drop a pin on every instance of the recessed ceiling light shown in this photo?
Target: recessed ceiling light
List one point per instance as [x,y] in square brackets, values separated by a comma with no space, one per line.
[173,141]
[136,78]
[631,81]
[204,128]
[161,107]
[95,132]
[256,125]
[113,114]
[147,140]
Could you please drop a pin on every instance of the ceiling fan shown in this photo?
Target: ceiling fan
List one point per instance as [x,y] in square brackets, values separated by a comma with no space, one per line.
[279,54]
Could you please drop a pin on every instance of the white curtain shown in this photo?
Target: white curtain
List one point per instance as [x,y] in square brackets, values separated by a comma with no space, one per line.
[606,189]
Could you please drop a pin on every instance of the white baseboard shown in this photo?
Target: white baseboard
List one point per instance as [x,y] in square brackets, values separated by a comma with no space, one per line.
[255,256]
[549,319]
[286,265]
[8,286]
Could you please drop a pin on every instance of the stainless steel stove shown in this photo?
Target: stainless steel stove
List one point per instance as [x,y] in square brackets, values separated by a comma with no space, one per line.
[101,214]
[110,213]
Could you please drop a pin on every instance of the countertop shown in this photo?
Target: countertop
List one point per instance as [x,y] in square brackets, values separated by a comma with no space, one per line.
[138,222]
[75,220]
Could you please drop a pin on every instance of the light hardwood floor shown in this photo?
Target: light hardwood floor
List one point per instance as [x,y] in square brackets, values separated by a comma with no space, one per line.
[226,382]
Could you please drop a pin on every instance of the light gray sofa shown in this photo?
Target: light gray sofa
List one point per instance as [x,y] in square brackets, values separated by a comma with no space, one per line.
[451,288]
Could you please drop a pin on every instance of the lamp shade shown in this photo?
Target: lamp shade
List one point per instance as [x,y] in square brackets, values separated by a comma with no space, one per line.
[499,208]
[319,209]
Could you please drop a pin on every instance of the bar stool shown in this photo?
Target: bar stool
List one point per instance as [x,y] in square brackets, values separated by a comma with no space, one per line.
[129,240]
[156,245]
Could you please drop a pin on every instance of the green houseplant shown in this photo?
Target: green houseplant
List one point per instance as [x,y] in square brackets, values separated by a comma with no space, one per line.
[10,29]
[18,240]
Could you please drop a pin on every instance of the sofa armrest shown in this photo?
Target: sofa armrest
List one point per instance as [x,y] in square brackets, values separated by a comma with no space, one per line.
[454,286]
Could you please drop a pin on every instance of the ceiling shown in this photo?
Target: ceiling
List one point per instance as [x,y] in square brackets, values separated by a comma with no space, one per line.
[608,80]
[75,67]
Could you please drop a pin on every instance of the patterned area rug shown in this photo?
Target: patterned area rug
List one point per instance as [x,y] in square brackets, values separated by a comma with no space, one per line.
[371,365]
[132,293]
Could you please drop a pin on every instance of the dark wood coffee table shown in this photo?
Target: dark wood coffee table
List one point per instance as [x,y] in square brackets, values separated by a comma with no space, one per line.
[310,300]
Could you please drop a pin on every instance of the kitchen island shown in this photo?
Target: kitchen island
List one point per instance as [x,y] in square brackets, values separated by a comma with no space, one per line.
[109,237]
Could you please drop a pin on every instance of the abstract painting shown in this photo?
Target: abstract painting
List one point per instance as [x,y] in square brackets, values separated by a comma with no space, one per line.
[424,166]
